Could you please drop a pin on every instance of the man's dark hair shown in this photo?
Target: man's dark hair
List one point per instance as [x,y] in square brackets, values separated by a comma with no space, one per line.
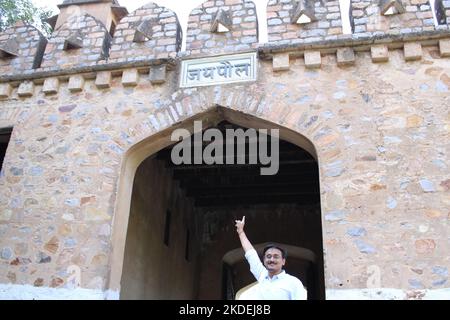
[274,246]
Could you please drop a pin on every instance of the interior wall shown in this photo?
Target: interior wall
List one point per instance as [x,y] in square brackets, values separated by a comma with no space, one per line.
[151,269]
[282,223]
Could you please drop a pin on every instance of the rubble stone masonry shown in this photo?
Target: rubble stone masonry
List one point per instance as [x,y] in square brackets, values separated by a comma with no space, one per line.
[375,108]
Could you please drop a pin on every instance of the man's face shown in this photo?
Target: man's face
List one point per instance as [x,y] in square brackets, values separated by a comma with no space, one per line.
[273,260]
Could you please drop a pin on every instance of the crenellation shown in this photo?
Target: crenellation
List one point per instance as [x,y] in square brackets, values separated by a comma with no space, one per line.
[68,45]
[446,9]
[406,16]
[308,20]
[223,26]
[141,34]
[15,45]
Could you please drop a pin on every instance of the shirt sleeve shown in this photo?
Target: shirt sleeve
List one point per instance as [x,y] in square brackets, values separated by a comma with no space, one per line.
[256,266]
[299,292]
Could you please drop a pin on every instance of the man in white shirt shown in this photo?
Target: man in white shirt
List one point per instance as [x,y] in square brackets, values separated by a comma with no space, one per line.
[273,282]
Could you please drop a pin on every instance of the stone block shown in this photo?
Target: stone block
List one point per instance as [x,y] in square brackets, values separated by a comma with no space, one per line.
[280,62]
[76,83]
[130,78]
[51,86]
[379,53]
[26,89]
[9,48]
[103,79]
[5,90]
[313,59]
[345,57]
[158,74]
[444,47]
[412,51]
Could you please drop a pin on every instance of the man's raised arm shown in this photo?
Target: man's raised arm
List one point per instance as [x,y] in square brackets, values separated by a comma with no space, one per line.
[246,245]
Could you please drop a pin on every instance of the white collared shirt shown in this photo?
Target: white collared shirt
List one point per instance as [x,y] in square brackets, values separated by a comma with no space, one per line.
[280,287]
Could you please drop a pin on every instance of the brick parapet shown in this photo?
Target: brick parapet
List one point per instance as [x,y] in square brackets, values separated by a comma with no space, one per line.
[282,30]
[367,18]
[94,41]
[242,34]
[164,34]
[29,43]
[163,30]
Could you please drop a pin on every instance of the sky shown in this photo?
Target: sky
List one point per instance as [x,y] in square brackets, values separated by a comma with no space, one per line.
[183,8]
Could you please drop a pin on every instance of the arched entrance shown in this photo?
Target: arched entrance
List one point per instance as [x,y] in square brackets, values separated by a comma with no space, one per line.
[180,219]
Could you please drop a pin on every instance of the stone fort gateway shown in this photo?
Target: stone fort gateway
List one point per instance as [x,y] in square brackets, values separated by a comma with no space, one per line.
[92,207]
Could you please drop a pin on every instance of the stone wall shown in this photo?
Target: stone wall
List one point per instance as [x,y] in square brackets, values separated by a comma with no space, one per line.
[367,19]
[243,28]
[147,33]
[380,131]
[446,6]
[153,32]
[282,30]
[375,110]
[149,262]
[27,45]
[81,41]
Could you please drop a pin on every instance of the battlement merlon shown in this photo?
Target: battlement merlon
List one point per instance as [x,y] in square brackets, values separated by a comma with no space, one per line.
[150,32]
[151,35]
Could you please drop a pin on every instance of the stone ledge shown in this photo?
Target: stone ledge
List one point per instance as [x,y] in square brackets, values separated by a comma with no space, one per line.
[103,80]
[40,74]
[444,48]
[345,57]
[157,74]
[280,62]
[313,59]
[379,53]
[265,51]
[26,89]
[130,78]
[330,46]
[51,86]
[76,83]
[412,51]
[387,294]
[29,292]
[5,90]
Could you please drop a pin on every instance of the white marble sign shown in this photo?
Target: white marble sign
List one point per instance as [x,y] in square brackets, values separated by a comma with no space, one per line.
[218,70]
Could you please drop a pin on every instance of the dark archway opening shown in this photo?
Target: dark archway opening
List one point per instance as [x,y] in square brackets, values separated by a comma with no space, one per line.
[5,136]
[181,224]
